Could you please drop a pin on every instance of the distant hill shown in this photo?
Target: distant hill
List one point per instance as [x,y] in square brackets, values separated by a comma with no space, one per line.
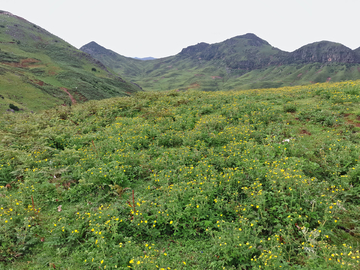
[323,52]
[39,70]
[127,66]
[145,58]
[240,62]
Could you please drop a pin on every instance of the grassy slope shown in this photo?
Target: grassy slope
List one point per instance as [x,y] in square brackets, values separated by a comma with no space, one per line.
[34,60]
[222,66]
[185,180]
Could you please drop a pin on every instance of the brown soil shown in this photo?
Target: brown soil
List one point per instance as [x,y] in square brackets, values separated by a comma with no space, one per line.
[73,101]
[349,122]
[194,85]
[38,82]
[80,97]
[304,131]
[24,63]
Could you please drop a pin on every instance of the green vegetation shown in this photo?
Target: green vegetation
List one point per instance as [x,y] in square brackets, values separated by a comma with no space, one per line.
[36,67]
[243,62]
[257,179]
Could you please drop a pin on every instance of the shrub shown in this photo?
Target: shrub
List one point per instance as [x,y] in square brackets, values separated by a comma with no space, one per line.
[13,107]
[291,108]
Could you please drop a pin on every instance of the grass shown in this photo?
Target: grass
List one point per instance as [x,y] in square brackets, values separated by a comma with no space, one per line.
[34,60]
[232,64]
[257,179]
[24,95]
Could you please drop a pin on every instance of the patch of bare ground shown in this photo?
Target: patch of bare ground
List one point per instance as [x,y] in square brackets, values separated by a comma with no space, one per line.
[351,122]
[24,63]
[38,82]
[194,85]
[304,131]
[73,101]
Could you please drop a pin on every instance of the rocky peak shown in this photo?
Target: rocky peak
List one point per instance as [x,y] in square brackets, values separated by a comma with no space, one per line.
[323,52]
[248,39]
[94,48]
[192,50]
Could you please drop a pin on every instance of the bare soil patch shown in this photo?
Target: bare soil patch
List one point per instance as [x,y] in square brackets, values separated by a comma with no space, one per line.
[24,63]
[73,101]
[304,131]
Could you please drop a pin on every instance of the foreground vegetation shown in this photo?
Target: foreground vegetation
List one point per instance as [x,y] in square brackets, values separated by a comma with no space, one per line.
[259,179]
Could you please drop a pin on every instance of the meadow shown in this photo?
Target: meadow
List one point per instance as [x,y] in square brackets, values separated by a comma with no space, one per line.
[255,179]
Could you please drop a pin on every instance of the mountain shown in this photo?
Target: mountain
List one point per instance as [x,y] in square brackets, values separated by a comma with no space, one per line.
[357,51]
[145,58]
[323,52]
[128,66]
[241,62]
[39,70]
[242,52]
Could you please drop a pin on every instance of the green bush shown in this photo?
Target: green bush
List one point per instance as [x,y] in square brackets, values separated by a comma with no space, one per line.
[13,107]
[289,107]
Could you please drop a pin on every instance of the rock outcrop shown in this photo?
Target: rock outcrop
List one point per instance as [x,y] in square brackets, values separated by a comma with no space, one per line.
[323,52]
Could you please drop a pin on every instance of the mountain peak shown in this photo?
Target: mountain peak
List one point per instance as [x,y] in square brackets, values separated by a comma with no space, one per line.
[324,52]
[248,39]
[93,47]
[195,48]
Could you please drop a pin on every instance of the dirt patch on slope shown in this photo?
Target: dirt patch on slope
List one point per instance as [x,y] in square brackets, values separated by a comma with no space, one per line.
[38,82]
[73,101]
[24,63]
[193,85]
[304,131]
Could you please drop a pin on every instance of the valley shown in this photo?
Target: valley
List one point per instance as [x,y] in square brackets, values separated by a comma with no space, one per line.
[242,62]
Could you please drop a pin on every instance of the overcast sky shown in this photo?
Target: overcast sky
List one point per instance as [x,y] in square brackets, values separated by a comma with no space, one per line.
[159,28]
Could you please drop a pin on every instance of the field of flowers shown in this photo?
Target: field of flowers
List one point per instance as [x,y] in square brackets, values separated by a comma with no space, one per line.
[257,179]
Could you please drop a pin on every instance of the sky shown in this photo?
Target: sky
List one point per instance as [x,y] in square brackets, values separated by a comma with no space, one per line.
[160,28]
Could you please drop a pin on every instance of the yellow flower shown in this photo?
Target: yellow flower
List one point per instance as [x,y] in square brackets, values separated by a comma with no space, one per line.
[138,262]
[102,261]
[171,222]
[184,263]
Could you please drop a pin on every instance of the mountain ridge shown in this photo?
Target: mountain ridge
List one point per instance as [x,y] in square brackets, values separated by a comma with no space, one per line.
[36,66]
[229,65]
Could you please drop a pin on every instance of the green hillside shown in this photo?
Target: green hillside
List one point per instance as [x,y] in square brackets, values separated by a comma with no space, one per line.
[37,68]
[256,179]
[242,62]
